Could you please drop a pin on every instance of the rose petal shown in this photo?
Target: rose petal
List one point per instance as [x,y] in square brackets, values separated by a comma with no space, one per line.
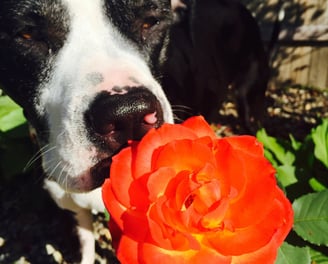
[158,232]
[121,165]
[268,253]
[158,181]
[206,196]
[133,223]
[168,236]
[254,237]
[252,183]
[246,144]
[214,219]
[115,232]
[115,208]
[127,251]
[209,172]
[152,254]
[128,191]
[184,155]
[153,140]
[179,191]
[200,126]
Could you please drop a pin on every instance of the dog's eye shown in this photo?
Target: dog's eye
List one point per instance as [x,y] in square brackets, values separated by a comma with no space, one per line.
[32,39]
[26,36]
[28,33]
[147,25]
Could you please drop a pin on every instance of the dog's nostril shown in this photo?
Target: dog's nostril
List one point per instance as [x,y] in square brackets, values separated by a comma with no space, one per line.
[151,118]
[115,119]
[108,127]
[104,129]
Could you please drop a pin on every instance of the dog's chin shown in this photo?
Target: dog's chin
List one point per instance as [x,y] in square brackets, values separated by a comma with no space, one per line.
[100,172]
[88,180]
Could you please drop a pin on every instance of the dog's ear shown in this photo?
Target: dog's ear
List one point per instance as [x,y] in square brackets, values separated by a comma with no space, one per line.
[179,8]
[177,5]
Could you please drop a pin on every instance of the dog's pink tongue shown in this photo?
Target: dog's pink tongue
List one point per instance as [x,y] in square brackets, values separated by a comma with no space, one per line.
[151,119]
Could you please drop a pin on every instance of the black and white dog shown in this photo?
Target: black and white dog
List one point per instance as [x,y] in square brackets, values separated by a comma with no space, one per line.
[86,74]
[83,71]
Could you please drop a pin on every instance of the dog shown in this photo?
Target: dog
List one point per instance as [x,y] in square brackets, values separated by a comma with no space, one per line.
[84,74]
[90,75]
[216,46]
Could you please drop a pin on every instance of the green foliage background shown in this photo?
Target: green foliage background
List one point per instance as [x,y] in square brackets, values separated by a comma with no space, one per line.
[302,172]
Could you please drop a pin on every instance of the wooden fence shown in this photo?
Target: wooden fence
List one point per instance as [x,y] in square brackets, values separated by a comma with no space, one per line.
[301,54]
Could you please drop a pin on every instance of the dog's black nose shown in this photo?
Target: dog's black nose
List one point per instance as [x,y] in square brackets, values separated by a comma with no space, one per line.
[113,119]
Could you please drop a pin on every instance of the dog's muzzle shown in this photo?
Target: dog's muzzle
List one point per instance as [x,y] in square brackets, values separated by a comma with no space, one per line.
[114,119]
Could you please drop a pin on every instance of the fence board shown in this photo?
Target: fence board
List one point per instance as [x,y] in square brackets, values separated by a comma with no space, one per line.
[302,46]
[300,66]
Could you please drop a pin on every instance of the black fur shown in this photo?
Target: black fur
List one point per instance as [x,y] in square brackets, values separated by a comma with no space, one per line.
[215,44]
[23,61]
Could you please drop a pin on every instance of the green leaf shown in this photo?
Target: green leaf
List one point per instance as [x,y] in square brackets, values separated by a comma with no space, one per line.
[288,254]
[270,143]
[311,217]
[294,143]
[11,115]
[320,139]
[107,215]
[271,158]
[286,175]
[279,157]
[318,257]
[316,185]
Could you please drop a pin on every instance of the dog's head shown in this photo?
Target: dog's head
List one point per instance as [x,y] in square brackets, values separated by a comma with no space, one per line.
[83,71]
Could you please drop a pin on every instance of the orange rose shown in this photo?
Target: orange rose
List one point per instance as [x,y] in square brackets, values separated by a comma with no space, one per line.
[182,195]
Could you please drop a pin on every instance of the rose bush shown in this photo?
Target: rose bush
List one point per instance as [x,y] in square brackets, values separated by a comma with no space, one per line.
[182,195]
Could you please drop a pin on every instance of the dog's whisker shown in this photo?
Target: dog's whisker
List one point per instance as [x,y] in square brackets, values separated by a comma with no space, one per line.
[34,158]
[53,168]
[65,180]
[63,175]
[60,175]
[61,134]
[177,119]
[38,155]
[186,111]
[182,109]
